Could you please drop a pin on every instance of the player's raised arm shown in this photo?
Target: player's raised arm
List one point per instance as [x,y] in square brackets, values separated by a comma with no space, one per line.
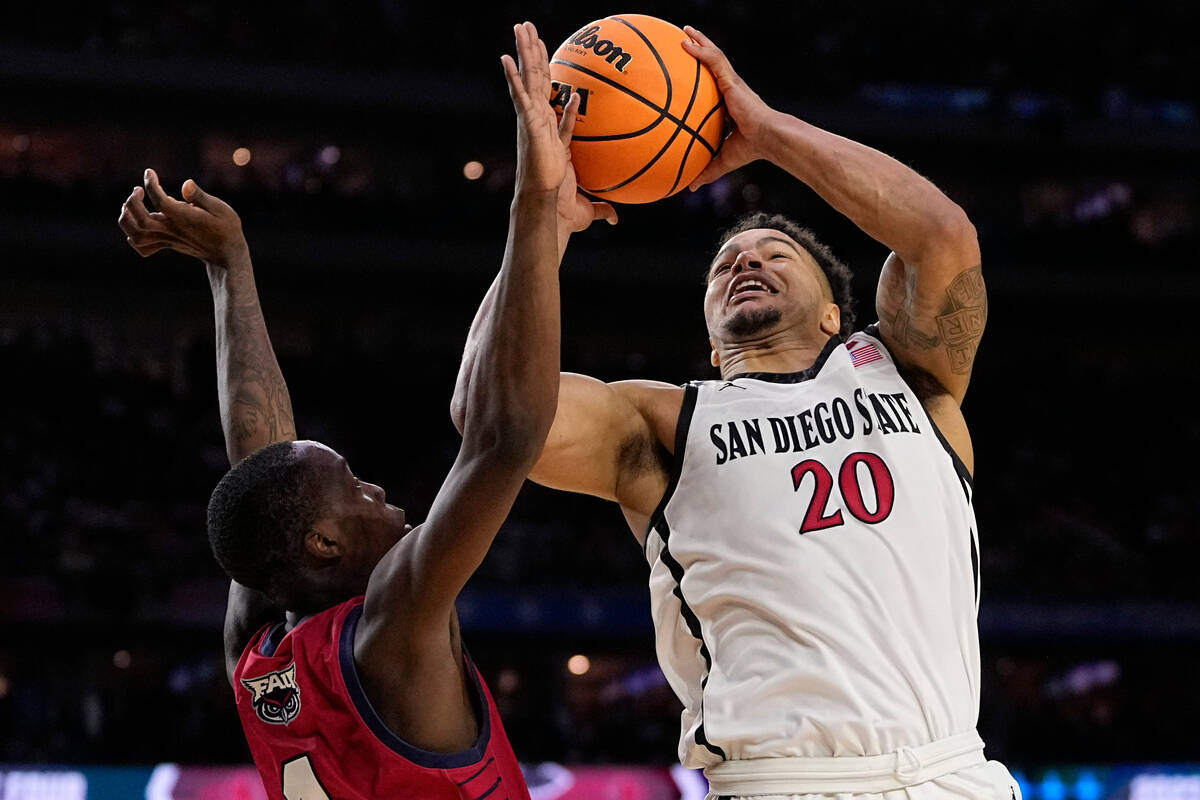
[606,439]
[575,213]
[931,300]
[507,410]
[600,433]
[255,407]
[601,442]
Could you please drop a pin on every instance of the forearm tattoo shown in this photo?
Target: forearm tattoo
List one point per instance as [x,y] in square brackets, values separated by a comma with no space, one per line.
[260,408]
[959,325]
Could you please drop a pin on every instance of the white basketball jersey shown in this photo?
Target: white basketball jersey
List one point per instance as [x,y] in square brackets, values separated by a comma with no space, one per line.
[814,565]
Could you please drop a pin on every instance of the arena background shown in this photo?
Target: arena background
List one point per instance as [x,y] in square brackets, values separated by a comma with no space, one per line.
[1070,132]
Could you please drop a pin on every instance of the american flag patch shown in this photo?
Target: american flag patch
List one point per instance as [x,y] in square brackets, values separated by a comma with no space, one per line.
[864,353]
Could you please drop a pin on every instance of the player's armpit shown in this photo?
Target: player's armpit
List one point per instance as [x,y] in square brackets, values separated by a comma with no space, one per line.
[247,611]
[932,314]
[611,440]
[944,410]
[948,417]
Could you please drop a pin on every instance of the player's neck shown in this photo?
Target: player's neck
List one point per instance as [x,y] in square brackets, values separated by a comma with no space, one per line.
[790,355]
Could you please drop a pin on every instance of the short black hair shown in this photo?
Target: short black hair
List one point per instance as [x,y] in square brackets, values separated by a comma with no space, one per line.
[835,270]
[257,516]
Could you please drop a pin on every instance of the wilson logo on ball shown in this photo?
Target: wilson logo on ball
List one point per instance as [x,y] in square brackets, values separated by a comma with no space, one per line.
[613,54]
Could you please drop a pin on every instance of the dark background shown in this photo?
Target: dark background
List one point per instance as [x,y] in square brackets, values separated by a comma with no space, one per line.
[1068,131]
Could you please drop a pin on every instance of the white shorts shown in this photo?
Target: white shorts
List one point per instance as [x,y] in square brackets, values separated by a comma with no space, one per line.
[949,769]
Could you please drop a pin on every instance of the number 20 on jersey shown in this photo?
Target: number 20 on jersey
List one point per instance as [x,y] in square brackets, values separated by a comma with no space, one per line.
[857,468]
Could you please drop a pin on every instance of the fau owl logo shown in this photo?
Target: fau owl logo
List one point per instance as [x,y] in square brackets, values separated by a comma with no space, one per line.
[276,697]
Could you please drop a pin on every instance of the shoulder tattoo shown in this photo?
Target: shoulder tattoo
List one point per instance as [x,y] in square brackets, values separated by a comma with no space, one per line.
[960,321]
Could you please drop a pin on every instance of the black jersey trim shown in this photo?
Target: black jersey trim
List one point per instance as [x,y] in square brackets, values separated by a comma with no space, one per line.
[478,772]
[794,377]
[418,756]
[693,625]
[975,567]
[491,789]
[682,425]
[960,469]
[658,522]
[872,330]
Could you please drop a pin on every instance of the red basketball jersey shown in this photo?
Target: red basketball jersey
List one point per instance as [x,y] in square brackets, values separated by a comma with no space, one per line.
[314,734]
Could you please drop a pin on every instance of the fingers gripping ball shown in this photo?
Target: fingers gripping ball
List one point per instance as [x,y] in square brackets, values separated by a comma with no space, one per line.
[650,114]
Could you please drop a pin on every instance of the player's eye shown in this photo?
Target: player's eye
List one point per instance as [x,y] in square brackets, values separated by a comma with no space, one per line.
[721,268]
[778,255]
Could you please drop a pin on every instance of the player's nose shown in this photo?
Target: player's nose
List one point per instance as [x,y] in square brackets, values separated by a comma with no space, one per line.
[745,260]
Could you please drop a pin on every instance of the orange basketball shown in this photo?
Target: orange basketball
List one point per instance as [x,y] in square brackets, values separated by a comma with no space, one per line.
[650,115]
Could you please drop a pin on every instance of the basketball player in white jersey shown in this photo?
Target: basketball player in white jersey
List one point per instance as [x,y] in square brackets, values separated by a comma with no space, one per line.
[807,518]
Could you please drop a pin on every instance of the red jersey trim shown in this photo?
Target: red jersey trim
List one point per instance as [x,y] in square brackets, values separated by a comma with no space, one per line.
[375,723]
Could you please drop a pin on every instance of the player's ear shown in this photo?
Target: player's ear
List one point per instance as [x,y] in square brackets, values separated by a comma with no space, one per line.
[831,319]
[324,540]
[714,357]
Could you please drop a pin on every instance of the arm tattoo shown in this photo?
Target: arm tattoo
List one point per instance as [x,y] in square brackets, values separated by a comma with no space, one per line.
[959,325]
[260,409]
[906,330]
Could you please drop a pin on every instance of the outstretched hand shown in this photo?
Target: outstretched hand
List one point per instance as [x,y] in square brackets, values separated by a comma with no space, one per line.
[749,114]
[543,140]
[200,225]
[542,158]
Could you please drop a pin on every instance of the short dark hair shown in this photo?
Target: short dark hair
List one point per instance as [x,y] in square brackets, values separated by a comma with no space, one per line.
[257,516]
[835,270]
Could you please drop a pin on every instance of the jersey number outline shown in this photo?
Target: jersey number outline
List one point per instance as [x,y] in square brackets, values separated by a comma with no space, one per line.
[299,780]
[815,518]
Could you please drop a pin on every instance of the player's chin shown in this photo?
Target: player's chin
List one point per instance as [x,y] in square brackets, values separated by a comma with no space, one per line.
[751,317]
[397,521]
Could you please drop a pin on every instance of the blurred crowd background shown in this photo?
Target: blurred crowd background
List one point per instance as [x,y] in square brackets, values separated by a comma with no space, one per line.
[369,150]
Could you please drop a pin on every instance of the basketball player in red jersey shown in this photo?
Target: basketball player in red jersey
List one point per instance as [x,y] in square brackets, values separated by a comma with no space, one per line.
[807,518]
[362,689]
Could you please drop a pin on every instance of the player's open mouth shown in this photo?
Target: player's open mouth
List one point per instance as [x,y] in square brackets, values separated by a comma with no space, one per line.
[746,287]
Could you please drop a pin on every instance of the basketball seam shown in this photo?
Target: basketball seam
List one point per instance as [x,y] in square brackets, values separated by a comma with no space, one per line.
[666,74]
[611,137]
[688,152]
[670,141]
[662,112]
[642,170]
[665,114]
[653,51]
[708,115]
